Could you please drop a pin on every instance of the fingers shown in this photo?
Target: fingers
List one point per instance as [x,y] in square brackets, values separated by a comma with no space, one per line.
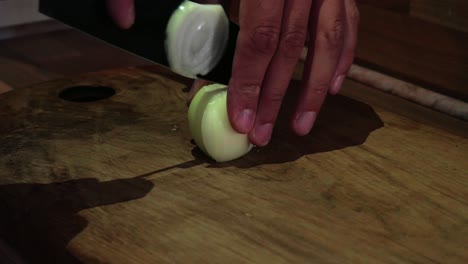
[350,42]
[260,24]
[325,48]
[122,12]
[281,69]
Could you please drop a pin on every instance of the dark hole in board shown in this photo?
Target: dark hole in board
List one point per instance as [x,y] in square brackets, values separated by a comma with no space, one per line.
[86,93]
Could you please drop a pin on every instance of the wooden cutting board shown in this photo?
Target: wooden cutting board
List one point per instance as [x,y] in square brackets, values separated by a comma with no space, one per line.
[118,180]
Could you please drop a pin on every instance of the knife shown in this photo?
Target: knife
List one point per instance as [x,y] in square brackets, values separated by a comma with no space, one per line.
[151,36]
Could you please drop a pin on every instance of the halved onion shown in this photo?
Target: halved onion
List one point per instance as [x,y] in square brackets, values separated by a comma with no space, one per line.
[196,37]
[210,126]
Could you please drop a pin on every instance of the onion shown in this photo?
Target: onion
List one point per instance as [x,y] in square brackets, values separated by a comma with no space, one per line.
[210,127]
[196,37]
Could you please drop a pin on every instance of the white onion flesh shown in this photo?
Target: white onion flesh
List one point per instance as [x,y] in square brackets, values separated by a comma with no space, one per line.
[196,37]
[210,126]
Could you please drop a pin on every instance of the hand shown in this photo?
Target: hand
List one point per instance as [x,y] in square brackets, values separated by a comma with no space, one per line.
[271,38]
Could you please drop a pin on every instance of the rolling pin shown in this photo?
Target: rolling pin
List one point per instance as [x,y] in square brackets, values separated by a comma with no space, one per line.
[406,90]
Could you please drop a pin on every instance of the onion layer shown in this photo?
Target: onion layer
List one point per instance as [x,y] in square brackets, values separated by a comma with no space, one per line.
[196,37]
[210,126]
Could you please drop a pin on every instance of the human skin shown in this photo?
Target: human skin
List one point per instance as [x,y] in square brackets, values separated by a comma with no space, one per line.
[271,38]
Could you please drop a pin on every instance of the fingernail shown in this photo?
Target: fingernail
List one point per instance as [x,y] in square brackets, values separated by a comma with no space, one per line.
[245,121]
[304,122]
[262,134]
[337,84]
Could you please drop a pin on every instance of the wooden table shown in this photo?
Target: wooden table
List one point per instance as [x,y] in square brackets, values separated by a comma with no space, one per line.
[118,180]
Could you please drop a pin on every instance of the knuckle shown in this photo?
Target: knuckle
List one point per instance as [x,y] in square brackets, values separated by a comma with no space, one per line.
[275,97]
[293,43]
[332,34]
[265,38]
[249,90]
[320,88]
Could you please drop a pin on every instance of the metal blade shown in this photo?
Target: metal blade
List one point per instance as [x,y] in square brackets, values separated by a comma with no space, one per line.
[146,38]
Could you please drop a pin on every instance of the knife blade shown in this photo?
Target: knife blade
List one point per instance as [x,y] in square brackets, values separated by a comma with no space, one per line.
[146,38]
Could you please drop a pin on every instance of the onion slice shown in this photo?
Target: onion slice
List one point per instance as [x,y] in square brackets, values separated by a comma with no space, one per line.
[196,37]
[210,126]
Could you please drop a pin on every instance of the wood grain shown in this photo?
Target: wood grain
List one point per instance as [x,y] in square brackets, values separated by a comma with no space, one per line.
[390,85]
[450,13]
[118,181]
[414,50]
[47,56]
[418,113]
[408,91]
